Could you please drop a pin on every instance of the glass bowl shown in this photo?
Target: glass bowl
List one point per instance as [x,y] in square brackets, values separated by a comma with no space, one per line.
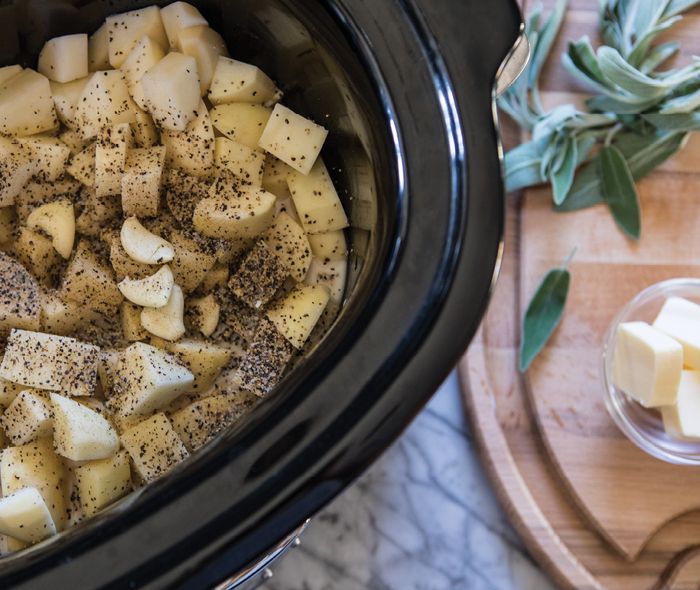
[644,426]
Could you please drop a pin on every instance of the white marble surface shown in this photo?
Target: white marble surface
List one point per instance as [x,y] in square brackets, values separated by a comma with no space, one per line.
[422,518]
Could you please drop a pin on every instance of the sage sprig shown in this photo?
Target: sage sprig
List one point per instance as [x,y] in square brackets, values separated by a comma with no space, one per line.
[639,114]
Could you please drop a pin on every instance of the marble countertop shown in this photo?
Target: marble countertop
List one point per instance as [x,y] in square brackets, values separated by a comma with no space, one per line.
[422,518]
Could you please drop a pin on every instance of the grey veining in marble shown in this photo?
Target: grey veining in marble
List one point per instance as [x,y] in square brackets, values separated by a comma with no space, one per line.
[422,518]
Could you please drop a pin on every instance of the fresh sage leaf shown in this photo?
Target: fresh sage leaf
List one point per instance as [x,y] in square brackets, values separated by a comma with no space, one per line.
[674,122]
[678,6]
[522,164]
[547,35]
[627,77]
[563,178]
[619,191]
[544,313]
[658,55]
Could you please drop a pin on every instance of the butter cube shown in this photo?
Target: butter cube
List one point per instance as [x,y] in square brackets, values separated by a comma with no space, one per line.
[680,319]
[647,364]
[682,419]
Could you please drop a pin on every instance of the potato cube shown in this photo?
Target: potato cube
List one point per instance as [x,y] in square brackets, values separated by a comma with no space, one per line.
[333,275]
[36,194]
[154,447]
[98,49]
[81,434]
[192,261]
[149,379]
[125,30]
[275,175]
[17,165]
[20,305]
[73,139]
[171,89]
[37,465]
[199,422]
[236,81]
[192,150]
[204,359]
[178,16]
[50,155]
[330,246]
[37,253]
[295,140]
[140,184]
[216,277]
[680,319]
[243,162]
[62,317]
[7,72]
[100,483]
[205,45]
[105,101]
[146,54]
[317,201]
[123,265]
[28,417]
[82,165]
[296,315]
[259,276]
[241,122]
[107,364]
[131,322]
[25,516]
[286,240]
[8,392]
[182,193]
[145,131]
[89,281]
[265,360]
[647,364]
[204,313]
[113,143]
[64,59]
[65,99]
[26,105]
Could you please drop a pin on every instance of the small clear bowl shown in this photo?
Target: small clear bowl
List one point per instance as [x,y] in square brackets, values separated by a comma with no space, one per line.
[644,426]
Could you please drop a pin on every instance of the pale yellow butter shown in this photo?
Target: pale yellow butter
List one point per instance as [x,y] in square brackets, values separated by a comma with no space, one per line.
[680,319]
[647,364]
[682,419]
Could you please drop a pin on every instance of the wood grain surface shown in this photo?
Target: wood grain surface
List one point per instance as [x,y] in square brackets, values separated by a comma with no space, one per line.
[596,511]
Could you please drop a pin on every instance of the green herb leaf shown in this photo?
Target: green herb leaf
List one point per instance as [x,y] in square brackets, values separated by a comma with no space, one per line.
[563,178]
[675,122]
[544,313]
[658,55]
[522,164]
[627,77]
[619,191]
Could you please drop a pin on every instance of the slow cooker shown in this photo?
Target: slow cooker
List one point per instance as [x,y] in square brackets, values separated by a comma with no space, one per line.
[406,89]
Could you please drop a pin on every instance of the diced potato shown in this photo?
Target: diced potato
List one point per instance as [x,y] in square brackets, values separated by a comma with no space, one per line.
[330,246]
[259,276]
[205,312]
[57,219]
[264,361]
[37,193]
[171,89]
[154,446]
[146,54]
[243,162]
[178,16]
[25,516]
[242,122]
[148,379]
[90,282]
[17,165]
[317,201]
[98,49]
[64,59]
[232,211]
[105,101]
[192,150]
[82,165]
[8,226]
[123,265]
[145,131]
[102,209]
[7,72]
[296,315]
[62,317]
[50,154]
[73,139]
[236,81]
[36,465]
[216,277]
[275,175]
[26,105]
[131,322]
[205,45]
[204,359]
[294,139]
[113,143]
[191,262]
[202,420]
[286,240]
[166,322]
[100,483]
[28,417]
[20,306]
[182,193]
[37,253]
[8,392]
[81,434]
[65,99]
[127,29]
[107,365]
[50,362]
[152,291]
[140,184]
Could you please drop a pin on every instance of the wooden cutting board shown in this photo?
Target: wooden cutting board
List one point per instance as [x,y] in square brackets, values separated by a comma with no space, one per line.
[595,510]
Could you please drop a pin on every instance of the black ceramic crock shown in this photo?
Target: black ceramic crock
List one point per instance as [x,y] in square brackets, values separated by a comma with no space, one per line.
[406,90]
